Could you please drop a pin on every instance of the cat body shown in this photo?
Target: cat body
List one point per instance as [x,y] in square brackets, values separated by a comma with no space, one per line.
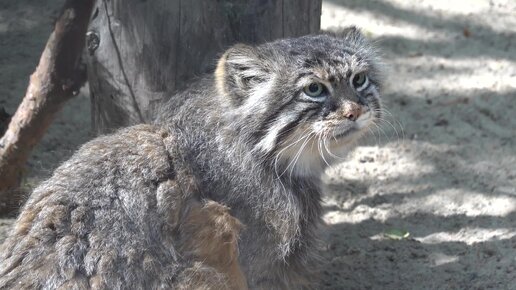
[244,146]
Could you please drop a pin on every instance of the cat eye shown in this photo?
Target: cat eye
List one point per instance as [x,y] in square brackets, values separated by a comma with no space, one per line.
[314,90]
[359,80]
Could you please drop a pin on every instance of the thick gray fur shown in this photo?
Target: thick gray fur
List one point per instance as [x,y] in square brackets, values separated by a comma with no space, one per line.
[109,218]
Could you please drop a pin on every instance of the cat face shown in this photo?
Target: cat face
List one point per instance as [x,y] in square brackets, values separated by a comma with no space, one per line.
[300,103]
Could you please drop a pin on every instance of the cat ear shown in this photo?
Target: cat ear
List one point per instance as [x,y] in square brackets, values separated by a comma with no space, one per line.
[238,71]
[351,34]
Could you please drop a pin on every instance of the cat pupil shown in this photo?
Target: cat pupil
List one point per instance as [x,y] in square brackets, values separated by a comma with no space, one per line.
[359,79]
[314,88]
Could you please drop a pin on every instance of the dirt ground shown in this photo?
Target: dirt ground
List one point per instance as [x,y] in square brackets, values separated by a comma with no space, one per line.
[442,167]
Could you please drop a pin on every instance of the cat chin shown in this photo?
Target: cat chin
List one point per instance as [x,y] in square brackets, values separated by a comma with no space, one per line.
[313,163]
[313,160]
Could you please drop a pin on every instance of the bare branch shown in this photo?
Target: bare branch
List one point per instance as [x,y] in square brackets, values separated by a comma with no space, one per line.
[56,79]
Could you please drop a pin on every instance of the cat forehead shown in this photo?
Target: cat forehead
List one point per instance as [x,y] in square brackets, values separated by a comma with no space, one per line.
[333,67]
[323,54]
[318,46]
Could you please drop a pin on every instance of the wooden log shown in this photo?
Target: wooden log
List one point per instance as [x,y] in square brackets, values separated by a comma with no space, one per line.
[57,77]
[140,51]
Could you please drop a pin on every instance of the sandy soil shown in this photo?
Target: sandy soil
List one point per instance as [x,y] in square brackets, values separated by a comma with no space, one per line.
[442,166]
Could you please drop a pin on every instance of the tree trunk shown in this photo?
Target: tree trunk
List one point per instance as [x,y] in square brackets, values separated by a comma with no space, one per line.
[139,51]
[55,80]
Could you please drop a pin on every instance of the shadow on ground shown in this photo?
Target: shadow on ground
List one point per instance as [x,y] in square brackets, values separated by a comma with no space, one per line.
[442,165]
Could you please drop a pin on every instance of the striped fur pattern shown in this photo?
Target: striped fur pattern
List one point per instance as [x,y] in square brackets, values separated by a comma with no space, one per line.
[120,214]
[260,141]
[263,90]
[220,192]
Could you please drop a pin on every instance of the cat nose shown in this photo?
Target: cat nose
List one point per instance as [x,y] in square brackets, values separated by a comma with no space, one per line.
[352,111]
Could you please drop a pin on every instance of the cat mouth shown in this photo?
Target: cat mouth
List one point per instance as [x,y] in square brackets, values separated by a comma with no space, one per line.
[357,126]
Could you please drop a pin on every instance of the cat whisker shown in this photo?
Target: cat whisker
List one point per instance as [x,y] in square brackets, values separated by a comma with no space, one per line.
[276,159]
[328,150]
[374,135]
[319,146]
[380,131]
[385,111]
[298,154]
[392,126]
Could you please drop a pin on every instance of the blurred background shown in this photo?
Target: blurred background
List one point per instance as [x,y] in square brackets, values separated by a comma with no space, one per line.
[428,199]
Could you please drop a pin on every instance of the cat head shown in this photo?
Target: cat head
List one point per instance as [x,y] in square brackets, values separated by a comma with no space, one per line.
[299,103]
